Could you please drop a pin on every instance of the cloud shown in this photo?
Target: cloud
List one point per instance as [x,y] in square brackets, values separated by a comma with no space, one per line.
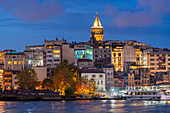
[147,12]
[32,10]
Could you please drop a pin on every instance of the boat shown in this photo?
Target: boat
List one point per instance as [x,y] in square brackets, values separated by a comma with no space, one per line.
[165,95]
[142,93]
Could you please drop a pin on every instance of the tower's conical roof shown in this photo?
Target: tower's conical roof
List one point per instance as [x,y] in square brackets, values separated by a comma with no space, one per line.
[97,22]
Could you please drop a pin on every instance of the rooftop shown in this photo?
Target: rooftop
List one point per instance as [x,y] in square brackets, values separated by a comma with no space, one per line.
[91,71]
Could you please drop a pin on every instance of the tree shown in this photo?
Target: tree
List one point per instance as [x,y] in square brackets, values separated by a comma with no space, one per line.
[69,91]
[85,86]
[27,78]
[47,83]
[64,76]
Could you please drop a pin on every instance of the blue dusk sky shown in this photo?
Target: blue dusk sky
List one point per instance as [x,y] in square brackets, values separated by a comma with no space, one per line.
[29,22]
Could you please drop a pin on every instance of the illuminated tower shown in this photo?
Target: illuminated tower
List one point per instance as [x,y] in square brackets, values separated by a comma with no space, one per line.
[97,29]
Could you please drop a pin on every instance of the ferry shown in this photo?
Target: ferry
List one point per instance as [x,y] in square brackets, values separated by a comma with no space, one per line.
[165,91]
[142,93]
[165,95]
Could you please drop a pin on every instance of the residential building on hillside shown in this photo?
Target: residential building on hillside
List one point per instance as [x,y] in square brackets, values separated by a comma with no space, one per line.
[1,78]
[15,61]
[139,76]
[158,61]
[68,53]
[36,55]
[117,56]
[83,51]
[9,79]
[109,78]
[84,63]
[97,74]
[41,73]
[53,55]
[2,53]
[101,51]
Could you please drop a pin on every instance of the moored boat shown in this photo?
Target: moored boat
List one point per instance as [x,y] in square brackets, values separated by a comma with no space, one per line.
[142,93]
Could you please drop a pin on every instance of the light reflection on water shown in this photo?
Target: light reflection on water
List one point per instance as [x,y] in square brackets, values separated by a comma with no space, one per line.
[103,106]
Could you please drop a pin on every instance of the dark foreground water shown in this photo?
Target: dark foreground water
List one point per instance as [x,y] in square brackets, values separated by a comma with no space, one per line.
[103,106]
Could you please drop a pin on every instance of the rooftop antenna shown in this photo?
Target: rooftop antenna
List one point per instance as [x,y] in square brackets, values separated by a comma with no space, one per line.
[63,34]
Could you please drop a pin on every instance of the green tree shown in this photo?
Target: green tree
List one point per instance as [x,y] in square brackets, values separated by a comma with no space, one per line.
[27,78]
[63,76]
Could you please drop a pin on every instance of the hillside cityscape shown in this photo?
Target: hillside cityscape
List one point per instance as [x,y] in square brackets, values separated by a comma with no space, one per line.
[102,64]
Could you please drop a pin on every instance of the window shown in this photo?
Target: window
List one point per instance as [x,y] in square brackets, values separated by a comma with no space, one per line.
[169,55]
[168,63]
[20,62]
[111,79]
[9,62]
[49,55]
[105,51]
[152,59]
[108,73]
[49,60]
[49,51]
[86,76]
[108,79]
[95,51]
[101,82]
[152,55]
[157,55]
[57,60]
[163,55]
[56,64]
[95,55]
[15,62]
[105,55]
[114,54]
[137,59]
[81,63]
[56,55]
[93,76]
[119,54]
[152,68]
[168,59]
[101,76]
[152,64]
[56,51]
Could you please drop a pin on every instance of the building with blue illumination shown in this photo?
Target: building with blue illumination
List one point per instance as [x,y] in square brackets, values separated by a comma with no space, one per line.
[83,51]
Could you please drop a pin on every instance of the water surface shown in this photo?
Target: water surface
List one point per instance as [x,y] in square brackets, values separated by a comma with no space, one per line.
[100,106]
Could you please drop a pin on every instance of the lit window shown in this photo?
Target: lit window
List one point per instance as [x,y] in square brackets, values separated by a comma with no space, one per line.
[1,71]
[15,62]
[56,55]
[9,62]
[20,62]
[56,51]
